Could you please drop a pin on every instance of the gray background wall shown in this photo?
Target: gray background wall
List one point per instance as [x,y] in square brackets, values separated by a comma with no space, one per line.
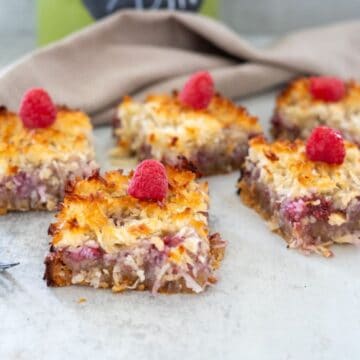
[279,16]
[17,28]
[264,17]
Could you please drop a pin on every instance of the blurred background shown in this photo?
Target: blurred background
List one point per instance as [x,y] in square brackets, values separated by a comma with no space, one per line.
[25,24]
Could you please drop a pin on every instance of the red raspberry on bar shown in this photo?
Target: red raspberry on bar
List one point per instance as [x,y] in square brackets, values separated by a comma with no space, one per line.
[37,110]
[198,91]
[327,145]
[149,181]
[329,89]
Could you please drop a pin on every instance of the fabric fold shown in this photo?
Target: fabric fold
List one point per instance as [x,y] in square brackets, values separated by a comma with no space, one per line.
[134,53]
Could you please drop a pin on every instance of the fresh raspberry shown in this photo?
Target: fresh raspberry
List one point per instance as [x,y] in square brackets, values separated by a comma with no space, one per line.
[325,144]
[149,181]
[198,91]
[330,89]
[37,109]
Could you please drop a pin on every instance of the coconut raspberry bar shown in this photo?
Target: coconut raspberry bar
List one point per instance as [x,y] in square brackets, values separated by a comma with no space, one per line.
[36,163]
[310,102]
[135,232]
[205,128]
[312,204]
[215,140]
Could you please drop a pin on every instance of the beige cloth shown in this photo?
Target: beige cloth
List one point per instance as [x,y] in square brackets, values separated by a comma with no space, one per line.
[139,52]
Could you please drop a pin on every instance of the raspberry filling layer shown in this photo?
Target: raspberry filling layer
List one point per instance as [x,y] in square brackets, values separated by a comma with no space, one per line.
[296,210]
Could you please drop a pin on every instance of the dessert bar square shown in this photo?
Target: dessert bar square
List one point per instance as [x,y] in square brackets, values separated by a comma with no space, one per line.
[214,139]
[105,238]
[35,164]
[297,112]
[311,204]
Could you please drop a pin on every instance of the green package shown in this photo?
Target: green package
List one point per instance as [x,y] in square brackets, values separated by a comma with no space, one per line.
[58,18]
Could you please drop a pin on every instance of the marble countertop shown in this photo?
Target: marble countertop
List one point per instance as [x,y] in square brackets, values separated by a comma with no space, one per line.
[270,302]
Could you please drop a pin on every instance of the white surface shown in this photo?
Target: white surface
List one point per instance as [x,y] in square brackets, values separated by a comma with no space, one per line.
[270,303]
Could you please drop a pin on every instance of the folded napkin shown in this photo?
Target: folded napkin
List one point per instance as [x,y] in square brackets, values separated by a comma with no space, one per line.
[135,53]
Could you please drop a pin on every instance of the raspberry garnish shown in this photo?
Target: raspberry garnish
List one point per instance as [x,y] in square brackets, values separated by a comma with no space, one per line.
[198,91]
[325,144]
[330,89]
[149,181]
[37,109]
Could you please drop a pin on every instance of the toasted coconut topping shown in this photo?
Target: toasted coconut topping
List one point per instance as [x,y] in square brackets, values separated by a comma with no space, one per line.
[285,168]
[166,125]
[298,92]
[99,209]
[21,148]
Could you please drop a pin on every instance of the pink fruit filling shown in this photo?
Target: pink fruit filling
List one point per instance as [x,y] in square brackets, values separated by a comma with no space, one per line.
[295,210]
[84,253]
